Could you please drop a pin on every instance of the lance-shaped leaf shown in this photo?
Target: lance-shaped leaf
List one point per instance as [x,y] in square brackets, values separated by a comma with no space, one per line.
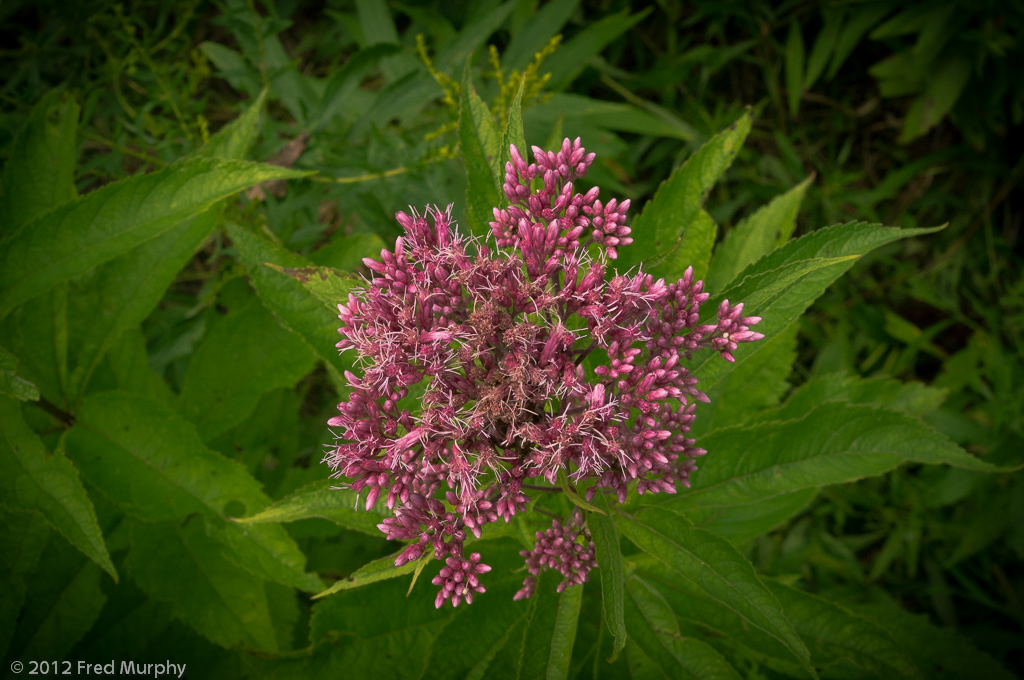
[911,398]
[741,523]
[295,307]
[755,237]
[658,648]
[663,225]
[152,463]
[39,172]
[318,499]
[92,229]
[127,289]
[564,635]
[234,139]
[242,356]
[835,634]
[692,249]
[613,579]
[23,536]
[33,479]
[184,566]
[843,242]
[380,569]
[479,145]
[512,135]
[831,444]
[713,566]
[330,286]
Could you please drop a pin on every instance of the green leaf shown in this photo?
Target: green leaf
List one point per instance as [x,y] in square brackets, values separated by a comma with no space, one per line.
[572,57]
[710,564]
[584,112]
[39,172]
[834,634]
[513,136]
[346,253]
[755,237]
[185,567]
[37,335]
[32,479]
[10,384]
[64,600]
[945,85]
[741,523]
[481,188]
[542,25]
[794,66]
[152,463]
[663,225]
[566,620]
[23,536]
[861,21]
[328,285]
[380,569]
[831,444]
[613,580]
[243,355]
[657,647]
[295,307]
[90,230]
[318,499]
[692,249]
[758,384]
[342,81]
[234,139]
[840,242]
[910,398]
[824,45]
[125,291]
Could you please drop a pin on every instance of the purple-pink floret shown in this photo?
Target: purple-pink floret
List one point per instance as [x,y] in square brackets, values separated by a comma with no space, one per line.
[497,337]
[559,548]
[458,580]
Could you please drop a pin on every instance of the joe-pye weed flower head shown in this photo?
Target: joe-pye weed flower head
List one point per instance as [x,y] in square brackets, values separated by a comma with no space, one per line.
[497,338]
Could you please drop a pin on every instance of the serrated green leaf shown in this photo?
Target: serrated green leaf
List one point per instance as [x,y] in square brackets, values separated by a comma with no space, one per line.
[152,463]
[295,307]
[234,139]
[662,225]
[840,241]
[243,355]
[125,291]
[39,172]
[710,564]
[328,285]
[33,479]
[564,636]
[513,135]
[831,444]
[613,579]
[663,651]
[755,237]
[380,569]
[185,567]
[692,249]
[318,499]
[92,229]
[481,188]
[10,384]
[835,634]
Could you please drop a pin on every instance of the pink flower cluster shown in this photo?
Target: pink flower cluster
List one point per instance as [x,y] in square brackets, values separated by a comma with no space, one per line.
[560,548]
[473,377]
